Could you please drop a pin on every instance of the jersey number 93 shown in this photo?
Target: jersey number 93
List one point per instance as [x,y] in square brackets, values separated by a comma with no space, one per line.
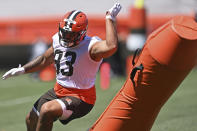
[70,60]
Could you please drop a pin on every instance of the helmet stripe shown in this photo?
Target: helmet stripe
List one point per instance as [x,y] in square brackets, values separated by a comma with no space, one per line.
[70,14]
[76,15]
[73,15]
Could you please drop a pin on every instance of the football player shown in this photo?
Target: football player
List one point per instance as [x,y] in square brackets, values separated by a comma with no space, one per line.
[77,58]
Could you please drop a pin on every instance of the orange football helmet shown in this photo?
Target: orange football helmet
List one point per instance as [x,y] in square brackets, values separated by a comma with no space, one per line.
[72,28]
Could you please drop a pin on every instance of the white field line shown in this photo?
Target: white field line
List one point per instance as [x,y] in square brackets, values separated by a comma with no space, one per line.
[17,101]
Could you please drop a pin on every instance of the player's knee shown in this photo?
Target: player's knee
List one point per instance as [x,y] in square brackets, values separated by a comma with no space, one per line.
[48,111]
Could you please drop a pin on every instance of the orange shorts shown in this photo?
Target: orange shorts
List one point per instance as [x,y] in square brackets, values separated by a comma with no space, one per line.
[86,95]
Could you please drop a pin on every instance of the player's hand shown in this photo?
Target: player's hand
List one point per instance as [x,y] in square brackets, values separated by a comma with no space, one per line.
[113,12]
[14,72]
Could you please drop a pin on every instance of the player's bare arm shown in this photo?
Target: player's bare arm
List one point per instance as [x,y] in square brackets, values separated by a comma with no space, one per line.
[40,62]
[35,65]
[108,47]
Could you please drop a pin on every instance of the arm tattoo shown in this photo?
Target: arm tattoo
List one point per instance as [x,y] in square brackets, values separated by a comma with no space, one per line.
[34,63]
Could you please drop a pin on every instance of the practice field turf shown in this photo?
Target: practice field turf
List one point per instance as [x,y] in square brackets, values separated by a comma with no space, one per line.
[18,94]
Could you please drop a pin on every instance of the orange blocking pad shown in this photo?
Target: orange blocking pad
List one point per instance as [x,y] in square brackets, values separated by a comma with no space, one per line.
[128,64]
[167,57]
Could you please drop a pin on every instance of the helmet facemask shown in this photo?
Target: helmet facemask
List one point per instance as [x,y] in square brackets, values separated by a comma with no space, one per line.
[68,38]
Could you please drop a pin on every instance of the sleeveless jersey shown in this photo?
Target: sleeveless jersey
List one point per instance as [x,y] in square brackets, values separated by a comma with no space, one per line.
[74,66]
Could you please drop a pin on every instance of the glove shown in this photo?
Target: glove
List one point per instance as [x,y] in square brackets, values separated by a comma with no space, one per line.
[14,72]
[113,12]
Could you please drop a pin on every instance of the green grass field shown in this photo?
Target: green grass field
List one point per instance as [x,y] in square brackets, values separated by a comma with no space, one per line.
[18,94]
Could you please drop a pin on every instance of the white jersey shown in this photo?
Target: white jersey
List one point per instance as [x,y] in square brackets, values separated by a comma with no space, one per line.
[74,66]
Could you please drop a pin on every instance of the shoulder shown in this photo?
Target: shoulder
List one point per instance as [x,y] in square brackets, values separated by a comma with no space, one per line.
[93,40]
[55,36]
[55,39]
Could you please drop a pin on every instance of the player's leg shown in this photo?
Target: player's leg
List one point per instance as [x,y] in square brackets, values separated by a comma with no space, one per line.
[75,105]
[32,117]
[50,111]
[64,109]
[31,121]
